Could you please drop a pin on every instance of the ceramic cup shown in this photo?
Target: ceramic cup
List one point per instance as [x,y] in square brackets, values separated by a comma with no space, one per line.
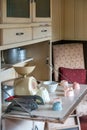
[50,85]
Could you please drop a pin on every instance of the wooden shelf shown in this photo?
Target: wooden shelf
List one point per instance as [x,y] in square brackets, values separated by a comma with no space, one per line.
[19,63]
[24,43]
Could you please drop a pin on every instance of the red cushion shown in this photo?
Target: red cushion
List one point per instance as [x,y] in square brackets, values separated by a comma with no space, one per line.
[72,75]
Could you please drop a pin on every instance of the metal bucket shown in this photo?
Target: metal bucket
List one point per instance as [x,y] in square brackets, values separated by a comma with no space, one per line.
[21,54]
[10,56]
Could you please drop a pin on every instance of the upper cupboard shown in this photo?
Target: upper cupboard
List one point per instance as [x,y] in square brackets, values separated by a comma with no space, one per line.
[25,11]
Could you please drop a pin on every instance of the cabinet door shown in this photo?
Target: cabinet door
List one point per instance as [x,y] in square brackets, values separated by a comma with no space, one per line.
[16,11]
[42,10]
[14,124]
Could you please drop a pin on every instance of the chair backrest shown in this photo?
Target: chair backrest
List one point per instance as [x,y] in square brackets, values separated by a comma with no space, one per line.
[68,56]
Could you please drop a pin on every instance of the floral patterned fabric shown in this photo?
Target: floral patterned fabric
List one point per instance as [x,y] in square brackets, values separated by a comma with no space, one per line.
[67,55]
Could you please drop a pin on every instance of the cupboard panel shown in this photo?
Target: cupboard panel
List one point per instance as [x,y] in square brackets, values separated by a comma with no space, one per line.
[42,10]
[13,124]
[18,8]
[40,53]
[22,124]
[13,11]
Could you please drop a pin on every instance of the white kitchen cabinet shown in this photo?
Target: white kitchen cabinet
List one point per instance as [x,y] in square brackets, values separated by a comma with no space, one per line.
[72,123]
[17,124]
[20,11]
[19,20]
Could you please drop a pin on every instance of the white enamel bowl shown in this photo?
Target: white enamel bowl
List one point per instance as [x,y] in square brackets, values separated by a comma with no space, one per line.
[50,85]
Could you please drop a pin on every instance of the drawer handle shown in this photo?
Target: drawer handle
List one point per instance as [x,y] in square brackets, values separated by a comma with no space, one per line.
[19,34]
[43,30]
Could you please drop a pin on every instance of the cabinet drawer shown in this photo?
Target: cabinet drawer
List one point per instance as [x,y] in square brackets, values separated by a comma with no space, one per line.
[41,32]
[16,35]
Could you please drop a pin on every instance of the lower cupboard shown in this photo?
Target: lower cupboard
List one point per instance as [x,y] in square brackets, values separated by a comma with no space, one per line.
[72,123]
[22,124]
